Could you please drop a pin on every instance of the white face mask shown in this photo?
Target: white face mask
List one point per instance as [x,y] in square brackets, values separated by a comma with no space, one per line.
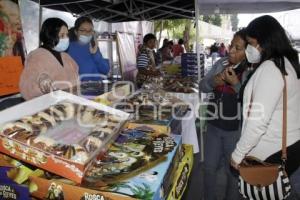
[252,54]
[85,39]
[62,45]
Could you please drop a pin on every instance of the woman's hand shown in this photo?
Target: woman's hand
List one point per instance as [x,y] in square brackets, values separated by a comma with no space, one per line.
[45,83]
[234,165]
[219,79]
[93,49]
[230,76]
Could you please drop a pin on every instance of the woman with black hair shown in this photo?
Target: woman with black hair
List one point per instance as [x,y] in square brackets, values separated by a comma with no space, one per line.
[48,67]
[224,80]
[84,50]
[263,96]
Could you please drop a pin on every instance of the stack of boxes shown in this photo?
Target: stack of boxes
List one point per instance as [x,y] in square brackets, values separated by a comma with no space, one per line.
[189,65]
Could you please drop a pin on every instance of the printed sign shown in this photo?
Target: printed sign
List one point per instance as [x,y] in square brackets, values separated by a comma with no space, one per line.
[10,71]
[11,47]
[88,196]
[55,192]
[9,190]
[163,144]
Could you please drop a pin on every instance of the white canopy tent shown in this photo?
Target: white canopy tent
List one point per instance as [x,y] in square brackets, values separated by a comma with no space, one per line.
[238,6]
[246,6]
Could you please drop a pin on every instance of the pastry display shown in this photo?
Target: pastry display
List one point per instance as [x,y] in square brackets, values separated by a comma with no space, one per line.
[68,130]
[150,107]
[180,85]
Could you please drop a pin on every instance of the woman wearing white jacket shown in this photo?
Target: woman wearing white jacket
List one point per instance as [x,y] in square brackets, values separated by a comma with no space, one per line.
[262,128]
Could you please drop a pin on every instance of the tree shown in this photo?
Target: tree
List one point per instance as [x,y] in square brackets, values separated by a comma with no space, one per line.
[176,28]
[158,25]
[217,20]
[234,22]
[213,19]
[187,34]
[206,18]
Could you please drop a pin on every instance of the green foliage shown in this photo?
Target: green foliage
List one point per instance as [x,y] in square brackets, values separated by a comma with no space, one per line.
[213,19]
[117,186]
[175,27]
[142,192]
[3,46]
[139,191]
[157,25]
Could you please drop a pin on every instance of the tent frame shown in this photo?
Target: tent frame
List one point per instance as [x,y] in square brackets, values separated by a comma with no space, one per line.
[124,10]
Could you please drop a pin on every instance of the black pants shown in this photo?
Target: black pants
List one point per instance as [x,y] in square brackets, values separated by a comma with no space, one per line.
[293,158]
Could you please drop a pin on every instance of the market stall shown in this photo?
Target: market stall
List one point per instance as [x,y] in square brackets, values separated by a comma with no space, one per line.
[62,146]
[84,146]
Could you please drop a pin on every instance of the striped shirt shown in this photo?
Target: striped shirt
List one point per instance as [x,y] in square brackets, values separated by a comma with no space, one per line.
[146,58]
[142,60]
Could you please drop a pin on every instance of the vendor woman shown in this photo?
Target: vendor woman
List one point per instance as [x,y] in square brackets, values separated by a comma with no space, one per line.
[85,51]
[48,67]
[146,60]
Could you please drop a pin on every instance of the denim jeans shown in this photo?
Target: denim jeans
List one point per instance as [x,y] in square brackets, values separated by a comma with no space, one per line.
[218,146]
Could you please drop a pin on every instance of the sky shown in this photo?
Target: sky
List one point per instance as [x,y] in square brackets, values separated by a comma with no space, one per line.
[288,19]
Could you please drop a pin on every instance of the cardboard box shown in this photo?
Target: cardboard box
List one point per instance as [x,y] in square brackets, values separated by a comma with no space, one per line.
[18,172]
[11,190]
[154,183]
[42,159]
[118,92]
[182,173]
[157,128]
[45,189]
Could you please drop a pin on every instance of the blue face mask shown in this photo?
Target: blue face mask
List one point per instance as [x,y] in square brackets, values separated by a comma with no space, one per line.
[62,45]
[85,39]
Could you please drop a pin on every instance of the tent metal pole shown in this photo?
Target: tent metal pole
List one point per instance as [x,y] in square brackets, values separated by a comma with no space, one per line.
[199,73]
[167,15]
[65,3]
[165,6]
[174,13]
[114,11]
[40,18]
[154,7]
[197,37]
[110,50]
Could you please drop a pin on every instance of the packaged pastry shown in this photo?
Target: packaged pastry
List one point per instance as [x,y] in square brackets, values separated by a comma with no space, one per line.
[66,129]
[59,132]
[152,107]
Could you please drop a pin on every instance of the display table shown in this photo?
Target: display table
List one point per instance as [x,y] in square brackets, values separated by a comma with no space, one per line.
[166,180]
[163,179]
[189,131]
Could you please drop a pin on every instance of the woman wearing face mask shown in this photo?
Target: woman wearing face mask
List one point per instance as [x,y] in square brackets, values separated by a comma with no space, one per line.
[84,50]
[48,67]
[223,116]
[262,126]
